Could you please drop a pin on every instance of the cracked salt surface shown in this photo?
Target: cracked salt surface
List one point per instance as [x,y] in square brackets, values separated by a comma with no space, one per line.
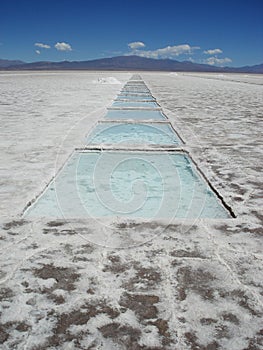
[64,285]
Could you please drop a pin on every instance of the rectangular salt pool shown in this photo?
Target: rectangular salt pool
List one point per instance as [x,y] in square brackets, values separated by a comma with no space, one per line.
[135,84]
[140,94]
[135,93]
[135,97]
[134,104]
[136,90]
[133,134]
[120,114]
[148,185]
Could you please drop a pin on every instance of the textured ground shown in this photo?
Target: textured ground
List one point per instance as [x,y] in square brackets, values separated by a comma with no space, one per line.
[115,284]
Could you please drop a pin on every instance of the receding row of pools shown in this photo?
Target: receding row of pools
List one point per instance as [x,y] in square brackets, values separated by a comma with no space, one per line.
[145,174]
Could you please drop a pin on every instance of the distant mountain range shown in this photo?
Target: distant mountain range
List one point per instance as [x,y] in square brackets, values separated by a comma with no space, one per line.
[8,63]
[128,63]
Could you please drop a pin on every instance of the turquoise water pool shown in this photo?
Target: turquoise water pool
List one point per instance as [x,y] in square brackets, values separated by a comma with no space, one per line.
[135,84]
[137,93]
[144,185]
[137,90]
[133,134]
[120,114]
[135,97]
[134,104]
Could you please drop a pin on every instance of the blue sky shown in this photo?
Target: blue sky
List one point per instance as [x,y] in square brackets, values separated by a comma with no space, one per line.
[226,33]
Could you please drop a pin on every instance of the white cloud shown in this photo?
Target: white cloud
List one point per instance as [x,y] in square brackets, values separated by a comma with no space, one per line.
[38,52]
[167,52]
[136,45]
[213,52]
[63,47]
[217,61]
[43,46]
